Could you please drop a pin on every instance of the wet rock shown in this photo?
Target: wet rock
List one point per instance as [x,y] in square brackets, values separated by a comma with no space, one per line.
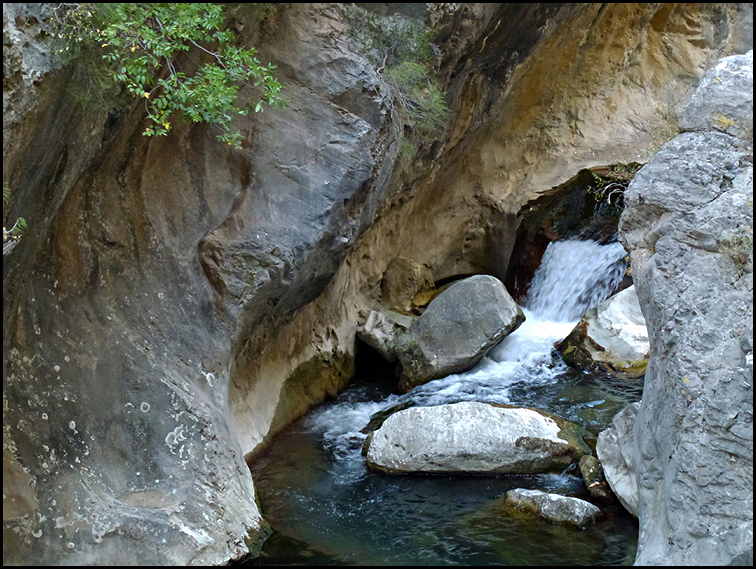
[552,507]
[611,336]
[474,438]
[593,476]
[407,286]
[456,330]
[688,223]
[615,451]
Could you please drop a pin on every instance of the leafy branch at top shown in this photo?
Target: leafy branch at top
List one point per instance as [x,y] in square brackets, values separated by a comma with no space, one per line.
[144,42]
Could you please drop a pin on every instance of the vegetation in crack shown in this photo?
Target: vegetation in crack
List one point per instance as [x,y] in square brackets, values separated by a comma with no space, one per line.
[666,125]
[175,57]
[609,187]
[13,235]
[403,55]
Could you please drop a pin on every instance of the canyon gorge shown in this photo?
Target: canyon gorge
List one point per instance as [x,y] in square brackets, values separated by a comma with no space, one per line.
[175,303]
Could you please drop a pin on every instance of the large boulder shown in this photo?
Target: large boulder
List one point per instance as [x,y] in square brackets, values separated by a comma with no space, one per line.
[456,330]
[553,507]
[615,449]
[688,224]
[611,336]
[474,438]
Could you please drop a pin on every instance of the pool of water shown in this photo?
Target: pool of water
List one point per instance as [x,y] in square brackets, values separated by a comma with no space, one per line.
[327,508]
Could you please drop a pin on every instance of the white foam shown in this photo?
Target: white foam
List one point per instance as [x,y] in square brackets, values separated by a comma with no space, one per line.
[574,276]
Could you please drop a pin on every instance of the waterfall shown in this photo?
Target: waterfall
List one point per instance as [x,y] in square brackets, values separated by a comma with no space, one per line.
[573,276]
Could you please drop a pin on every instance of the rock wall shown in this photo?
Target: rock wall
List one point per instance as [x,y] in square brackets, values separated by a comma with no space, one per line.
[688,224]
[146,265]
[174,302]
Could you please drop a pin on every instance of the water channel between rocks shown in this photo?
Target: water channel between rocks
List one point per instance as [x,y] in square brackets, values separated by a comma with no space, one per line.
[326,508]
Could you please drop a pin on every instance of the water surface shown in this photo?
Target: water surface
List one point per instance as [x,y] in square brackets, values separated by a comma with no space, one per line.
[326,508]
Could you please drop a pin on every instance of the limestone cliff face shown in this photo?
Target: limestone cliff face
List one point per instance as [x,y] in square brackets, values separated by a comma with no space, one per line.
[689,227]
[175,302]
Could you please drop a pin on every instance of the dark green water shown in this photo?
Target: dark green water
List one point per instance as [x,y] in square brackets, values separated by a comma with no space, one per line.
[327,509]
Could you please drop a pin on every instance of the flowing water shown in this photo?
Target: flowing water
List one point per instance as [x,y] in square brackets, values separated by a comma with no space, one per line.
[326,508]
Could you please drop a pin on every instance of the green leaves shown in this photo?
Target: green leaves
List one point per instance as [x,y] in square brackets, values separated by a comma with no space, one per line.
[612,183]
[143,42]
[12,235]
[403,55]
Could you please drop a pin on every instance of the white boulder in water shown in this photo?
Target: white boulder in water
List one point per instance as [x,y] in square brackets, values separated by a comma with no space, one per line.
[474,438]
[553,507]
[612,336]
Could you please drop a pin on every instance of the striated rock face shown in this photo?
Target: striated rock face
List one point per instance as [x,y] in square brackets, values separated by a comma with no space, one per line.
[456,330]
[688,224]
[174,302]
[474,438]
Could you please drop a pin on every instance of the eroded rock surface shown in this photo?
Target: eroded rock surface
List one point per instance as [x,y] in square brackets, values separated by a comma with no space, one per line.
[406,286]
[688,224]
[474,438]
[148,264]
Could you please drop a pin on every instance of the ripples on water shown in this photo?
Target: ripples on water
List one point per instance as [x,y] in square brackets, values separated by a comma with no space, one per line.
[327,508]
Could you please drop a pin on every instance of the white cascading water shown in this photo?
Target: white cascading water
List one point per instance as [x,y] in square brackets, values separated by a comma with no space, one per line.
[573,277]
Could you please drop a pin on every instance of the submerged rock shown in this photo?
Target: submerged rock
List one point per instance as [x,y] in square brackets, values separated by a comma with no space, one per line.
[611,336]
[474,438]
[456,330]
[593,475]
[553,507]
